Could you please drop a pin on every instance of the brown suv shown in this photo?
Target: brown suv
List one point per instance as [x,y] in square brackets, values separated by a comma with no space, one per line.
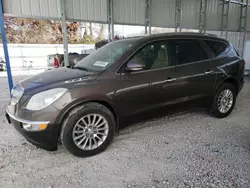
[82,106]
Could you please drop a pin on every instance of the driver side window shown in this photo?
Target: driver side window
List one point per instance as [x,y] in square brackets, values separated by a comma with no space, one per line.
[154,56]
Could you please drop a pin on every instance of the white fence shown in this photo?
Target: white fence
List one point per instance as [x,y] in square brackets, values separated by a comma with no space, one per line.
[35,55]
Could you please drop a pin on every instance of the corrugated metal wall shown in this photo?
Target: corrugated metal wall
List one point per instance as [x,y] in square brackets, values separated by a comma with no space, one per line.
[213,14]
[190,14]
[92,10]
[130,12]
[248,36]
[248,25]
[32,8]
[234,17]
[232,37]
[163,13]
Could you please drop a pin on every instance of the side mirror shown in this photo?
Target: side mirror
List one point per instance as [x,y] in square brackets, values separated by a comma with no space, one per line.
[134,66]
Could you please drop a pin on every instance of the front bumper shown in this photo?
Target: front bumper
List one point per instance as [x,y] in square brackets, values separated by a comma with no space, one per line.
[46,139]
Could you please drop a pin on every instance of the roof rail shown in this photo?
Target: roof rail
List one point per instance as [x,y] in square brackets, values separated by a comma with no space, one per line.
[212,35]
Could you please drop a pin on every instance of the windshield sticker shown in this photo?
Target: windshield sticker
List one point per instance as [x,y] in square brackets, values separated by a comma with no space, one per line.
[101,63]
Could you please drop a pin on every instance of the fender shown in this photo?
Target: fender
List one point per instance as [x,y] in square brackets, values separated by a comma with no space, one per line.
[225,79]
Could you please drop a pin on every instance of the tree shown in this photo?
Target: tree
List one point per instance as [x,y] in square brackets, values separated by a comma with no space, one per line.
[32,31]
[91,29]
[100,35]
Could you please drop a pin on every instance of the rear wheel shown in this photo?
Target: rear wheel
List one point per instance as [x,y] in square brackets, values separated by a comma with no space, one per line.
[88,130]
[224,101]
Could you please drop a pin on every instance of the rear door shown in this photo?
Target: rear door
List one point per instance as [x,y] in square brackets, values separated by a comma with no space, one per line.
[194,68]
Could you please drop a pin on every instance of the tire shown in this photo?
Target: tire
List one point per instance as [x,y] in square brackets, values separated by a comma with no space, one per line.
[215,111]
[69,129]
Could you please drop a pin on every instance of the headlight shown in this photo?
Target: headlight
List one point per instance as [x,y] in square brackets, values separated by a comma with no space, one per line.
[45,98]
[16,94]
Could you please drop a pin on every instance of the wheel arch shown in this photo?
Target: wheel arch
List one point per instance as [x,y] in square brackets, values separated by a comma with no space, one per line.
[230,80]
[70,107]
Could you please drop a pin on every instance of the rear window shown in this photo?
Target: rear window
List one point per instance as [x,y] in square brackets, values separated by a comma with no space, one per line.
[236,52]
[220,49]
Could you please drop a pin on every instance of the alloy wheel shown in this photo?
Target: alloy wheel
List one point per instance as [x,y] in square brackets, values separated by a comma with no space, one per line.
[225,101]
[90,131]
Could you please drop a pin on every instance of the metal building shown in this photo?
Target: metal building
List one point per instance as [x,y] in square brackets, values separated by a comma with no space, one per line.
[228,17]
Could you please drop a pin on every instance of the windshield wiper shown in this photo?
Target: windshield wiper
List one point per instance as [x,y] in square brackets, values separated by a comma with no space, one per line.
[81,68]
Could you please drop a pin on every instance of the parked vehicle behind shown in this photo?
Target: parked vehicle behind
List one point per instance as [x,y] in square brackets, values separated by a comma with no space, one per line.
[73,59]
[50,60]
[57,60]
[84,105]
[102,43]
[54,60]
[2,65]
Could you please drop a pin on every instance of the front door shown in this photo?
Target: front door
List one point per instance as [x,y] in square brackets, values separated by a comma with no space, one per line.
[152,86]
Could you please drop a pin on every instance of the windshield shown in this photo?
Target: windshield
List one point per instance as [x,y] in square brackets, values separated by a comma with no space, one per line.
[106,56]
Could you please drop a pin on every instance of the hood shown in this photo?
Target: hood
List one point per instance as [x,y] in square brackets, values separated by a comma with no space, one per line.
[55,77]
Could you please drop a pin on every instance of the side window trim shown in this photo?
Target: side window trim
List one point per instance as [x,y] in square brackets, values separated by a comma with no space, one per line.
[205,60]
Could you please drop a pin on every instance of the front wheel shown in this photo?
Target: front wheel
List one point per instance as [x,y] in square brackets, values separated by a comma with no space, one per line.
[88,130]
[224,101]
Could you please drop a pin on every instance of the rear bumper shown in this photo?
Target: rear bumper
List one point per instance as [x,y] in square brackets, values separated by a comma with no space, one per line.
[241,84]
[46,139]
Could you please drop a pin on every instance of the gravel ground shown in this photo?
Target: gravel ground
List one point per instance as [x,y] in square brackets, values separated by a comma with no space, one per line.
[187,149]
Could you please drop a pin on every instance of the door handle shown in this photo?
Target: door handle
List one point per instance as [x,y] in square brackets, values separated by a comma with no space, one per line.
[208,72]
[170,79]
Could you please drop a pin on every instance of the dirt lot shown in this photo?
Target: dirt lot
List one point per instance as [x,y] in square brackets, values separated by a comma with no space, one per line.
[187,149]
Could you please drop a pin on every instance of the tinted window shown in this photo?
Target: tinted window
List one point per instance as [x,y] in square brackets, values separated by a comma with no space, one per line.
[188,51]
[220,49]
[235,51]
[154,56]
